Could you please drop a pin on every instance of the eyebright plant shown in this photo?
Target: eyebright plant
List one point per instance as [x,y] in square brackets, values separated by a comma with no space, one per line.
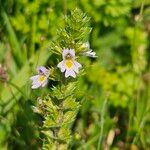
[59,107]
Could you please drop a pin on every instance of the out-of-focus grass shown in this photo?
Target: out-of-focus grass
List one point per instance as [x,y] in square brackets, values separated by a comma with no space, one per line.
[120,36]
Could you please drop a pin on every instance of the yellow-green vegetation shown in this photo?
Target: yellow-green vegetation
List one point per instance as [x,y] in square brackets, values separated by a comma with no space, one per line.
[112,96]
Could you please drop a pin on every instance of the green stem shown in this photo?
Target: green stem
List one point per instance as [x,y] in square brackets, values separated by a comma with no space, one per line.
[142,7]
[133,106]
[10,105]
[65,7]
[13,40]
[89,143]
[33,33]
[102,122]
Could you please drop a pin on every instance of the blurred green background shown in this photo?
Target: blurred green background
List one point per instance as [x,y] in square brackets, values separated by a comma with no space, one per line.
[115,90]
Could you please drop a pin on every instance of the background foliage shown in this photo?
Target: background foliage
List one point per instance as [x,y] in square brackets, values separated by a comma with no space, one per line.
[114,90]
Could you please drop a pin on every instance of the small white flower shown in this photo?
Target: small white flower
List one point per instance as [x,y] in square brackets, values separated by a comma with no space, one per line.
[41,79]
[68,64]
[90,53]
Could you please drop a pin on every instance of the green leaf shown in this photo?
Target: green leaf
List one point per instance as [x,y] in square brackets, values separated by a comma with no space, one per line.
[10,97]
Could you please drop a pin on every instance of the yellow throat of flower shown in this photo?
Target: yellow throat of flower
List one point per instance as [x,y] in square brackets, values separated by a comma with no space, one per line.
[42,78]
[68,63]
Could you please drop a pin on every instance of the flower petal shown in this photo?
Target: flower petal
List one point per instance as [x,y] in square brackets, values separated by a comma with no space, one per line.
[61,66]
[70,73]
[65,52]
[90,53]
[35,86]
[72,53]
[77,64]
[75,68]
[42,70]
[35,81]
[44,83]
[33,78]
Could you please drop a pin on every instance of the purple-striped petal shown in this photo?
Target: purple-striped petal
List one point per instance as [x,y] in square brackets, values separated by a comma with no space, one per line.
[42,70]
[70,73]
[35,86]
[77,64]
[33,78]
[65,52]
[72,53]
[61,66]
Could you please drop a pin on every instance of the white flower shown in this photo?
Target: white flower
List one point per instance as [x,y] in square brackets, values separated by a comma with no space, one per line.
[41,79]
[68,64]
[90,53]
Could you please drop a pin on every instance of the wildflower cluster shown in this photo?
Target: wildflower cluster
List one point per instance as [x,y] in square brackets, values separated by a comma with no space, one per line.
[68,65]
[59,107]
